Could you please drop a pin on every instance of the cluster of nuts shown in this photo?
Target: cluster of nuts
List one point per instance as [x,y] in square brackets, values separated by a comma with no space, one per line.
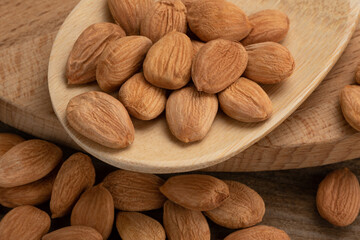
[207,52]
[32,172]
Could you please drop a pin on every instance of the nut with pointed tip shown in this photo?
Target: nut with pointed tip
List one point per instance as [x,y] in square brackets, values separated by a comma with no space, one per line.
[213,19]
[25,222]
[101,118]
[7,141]
[190,113]
[260,232]
[76,175]
[74,232]
[28,162]
[350,105]
[83,58]
[165,16]
[338,197]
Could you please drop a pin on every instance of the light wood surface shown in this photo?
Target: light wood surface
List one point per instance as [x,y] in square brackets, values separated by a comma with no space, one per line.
[315,134]
[155,150]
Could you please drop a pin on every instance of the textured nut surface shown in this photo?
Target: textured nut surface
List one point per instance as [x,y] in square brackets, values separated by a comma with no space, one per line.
[166,16]
[244,208]
[350,105]
[83,58]
[268,26]
[338,197]
[129,13]
[245,101]
[269,63]
[101,118]
[34,193]
[190,113]
[133,191]
[142,100]
[212,19]
[74,232]
[259,232]
[120,60]
[135,226]
[28,162]
[357,75]
[75,175]
[24,223]
[218,64]
[7,141]
[196,192]
[196,46]
[168,62]
[95,209]
[181,223]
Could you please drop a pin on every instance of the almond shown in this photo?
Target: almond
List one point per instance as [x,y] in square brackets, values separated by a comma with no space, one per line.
[196,46]
[101,118]
[7,141]
[338,197]
[75,175]
[213,19]
[260,232]
[95,209]
[28,162]
[133,191]
[181,223]
[245,101]
[135,226]
[357,75]
[120,60]
[268,26]
[74,232]
[190,113]
[196,192]
[24,223]
[350,105]
[218,64]
[83,58]
[244,208]
[129,13]
[34,193]
[168,62]
[269,63]
[166,16]
[142,100]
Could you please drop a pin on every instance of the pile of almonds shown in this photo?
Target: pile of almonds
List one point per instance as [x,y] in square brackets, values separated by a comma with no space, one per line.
[32,172]
[186,57]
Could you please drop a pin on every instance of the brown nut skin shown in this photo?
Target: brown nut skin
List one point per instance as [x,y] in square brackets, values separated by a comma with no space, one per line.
[165,16]
[7,141]
[196,46]
[74,232]
[218,64]
[190,114]
[146,227]
[181,223]
[338,197]
[350,105]
[76,175]
[213,19]
[120,60]
[244,208]
[195,191]
[28,162]
[268,26]
[260,232]
[142,100]
[357,75]
[101,118]
[168,62]
[245,101]
[24,223]
[83,58]
[269,63]
[129,13]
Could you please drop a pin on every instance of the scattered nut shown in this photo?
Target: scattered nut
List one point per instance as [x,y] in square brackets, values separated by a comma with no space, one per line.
[74,232]
[350,105]
[260,232]
[7,141]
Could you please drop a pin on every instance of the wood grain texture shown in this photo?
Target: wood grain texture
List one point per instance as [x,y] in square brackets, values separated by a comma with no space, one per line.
[315,134]
[154,149]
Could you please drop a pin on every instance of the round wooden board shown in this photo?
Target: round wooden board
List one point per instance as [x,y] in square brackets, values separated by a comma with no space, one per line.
[316,134]
[155,150]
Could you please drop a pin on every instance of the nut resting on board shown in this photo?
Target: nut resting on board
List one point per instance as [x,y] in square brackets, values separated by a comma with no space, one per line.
[170,48]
